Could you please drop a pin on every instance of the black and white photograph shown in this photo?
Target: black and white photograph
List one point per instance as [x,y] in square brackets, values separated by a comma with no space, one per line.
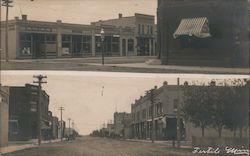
[104,113]
[124,77]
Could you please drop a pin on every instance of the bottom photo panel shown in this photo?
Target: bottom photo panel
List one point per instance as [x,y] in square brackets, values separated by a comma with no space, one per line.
[67,113]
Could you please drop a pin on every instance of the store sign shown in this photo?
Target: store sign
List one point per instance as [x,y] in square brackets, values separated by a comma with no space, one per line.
[40,29]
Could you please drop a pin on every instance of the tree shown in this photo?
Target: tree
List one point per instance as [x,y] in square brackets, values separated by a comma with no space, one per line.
[223,105]
[237,110]
[197,108]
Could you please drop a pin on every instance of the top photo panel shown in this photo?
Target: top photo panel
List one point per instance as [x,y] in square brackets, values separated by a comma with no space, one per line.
[148,36]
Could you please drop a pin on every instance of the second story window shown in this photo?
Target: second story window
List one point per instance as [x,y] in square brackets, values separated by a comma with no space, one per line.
[175,104]
[139,29]
[143,113]
[142,29]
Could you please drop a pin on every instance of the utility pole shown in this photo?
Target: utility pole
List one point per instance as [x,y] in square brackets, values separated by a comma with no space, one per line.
[7,3]
[39,82]
[61,109]
[69,126]
[0,39]
[178,115]
[152,100]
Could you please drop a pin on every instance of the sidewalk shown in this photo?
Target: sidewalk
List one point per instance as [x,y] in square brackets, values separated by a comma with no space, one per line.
[184,150]
[184,144]
[186,69]
[22,145]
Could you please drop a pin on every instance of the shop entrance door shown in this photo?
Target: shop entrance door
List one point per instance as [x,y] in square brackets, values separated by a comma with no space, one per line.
[77,46]
[38,46]
[123,47]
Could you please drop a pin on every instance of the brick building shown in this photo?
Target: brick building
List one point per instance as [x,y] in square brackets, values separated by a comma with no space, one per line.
[39,39]
[204,32]
[144,38]
[122,121]
[23,116]
[4,115]
[165,116]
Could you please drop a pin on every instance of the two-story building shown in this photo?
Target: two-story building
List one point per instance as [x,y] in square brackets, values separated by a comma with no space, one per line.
[143,41]
[122,121]
[23,112]
[4,115]
[165,106]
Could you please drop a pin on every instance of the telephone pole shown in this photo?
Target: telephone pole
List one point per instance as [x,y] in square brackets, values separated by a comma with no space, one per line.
[0,39]
[39,82]
[69,126]
[73,127]
[61,126]
[152,100]
[178,115]
[7,3]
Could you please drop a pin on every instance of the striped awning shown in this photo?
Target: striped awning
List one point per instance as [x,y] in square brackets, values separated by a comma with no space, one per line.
[193,27]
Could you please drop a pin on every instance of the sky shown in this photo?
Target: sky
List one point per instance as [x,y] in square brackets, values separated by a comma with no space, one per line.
[91,98]
[79,11]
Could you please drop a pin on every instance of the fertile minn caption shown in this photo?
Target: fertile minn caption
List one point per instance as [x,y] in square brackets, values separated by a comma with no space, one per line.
[227,150]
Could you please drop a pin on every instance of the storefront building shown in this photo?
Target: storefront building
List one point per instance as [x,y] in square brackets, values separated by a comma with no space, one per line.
[4,115]
[38,39]
[143,39]
[165,116]
[23,117]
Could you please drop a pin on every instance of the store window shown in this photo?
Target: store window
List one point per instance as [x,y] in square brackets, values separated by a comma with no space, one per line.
[130,45]
[66,45]
[86,44]
[115,45]
[98,45]
[25,44]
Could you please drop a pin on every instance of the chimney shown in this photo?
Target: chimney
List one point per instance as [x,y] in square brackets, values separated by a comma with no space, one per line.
[24,17]
[185,83]
[212,83]
[165,83]
[120,15]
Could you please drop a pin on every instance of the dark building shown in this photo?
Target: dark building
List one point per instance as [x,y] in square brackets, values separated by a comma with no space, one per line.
[203,32]
[23,116]
[4,115]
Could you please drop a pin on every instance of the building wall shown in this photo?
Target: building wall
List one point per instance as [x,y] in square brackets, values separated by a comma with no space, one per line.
[119,22]
[4,115]
[165,108]
[37,39]
[23,111]
[12,44]
[122,123]
[228,22]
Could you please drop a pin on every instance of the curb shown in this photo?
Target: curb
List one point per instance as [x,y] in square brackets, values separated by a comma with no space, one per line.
[14,148]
